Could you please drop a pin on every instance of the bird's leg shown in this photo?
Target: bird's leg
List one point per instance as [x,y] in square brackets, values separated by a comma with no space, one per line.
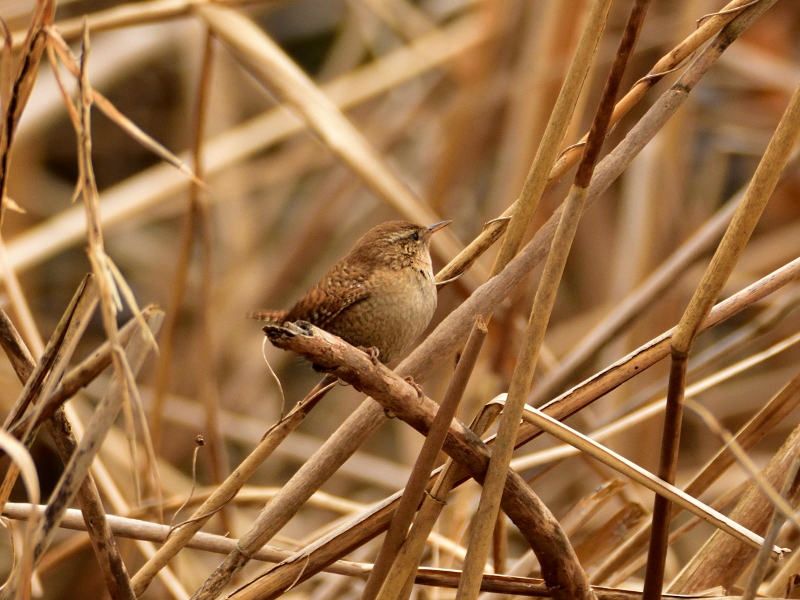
[415,385]
[372,352]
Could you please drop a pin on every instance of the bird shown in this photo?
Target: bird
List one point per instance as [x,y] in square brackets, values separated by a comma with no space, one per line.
[381,296]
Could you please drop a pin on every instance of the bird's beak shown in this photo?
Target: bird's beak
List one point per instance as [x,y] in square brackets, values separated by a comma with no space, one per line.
[437,226]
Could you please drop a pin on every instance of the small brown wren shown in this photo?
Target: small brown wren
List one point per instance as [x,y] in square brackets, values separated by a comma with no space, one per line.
[381,295]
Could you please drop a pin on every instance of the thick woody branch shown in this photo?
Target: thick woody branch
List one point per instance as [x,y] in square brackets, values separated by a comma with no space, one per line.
[560,568]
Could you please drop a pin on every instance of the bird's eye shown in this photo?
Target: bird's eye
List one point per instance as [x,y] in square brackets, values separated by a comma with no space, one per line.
[415,236]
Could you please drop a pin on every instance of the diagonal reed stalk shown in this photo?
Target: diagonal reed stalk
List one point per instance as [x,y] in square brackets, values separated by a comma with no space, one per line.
[722,264]
[486,515]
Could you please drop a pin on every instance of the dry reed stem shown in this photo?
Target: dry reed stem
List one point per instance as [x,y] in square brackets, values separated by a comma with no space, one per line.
[577,516]
[722,264]
[742,225]
[499,551]
[667,469]
[534,520]
[624,312]
[652,409]
[148,531]
[554,133]
[145,530]
[643,477]
[109,297]
[183,533]
[417,481]
[111,285]
[61,432]
[656,349]
[60,47]
[351,512]
[473,251]
[209,392]
[486,514]
[402,574]
[722,560]
[45,375]
[308,478]
[587,507]
[268,63]
[720,504]
[77,378]
[125,15]
[665,65]
[783,577]
[745,462]
[610,533]
[138,195]
[18,584]
[770,415]
[154,532]
[762,560]
[16,351]
[254,496]
[6,68]
[78,322]
[20,89]
[35,376]
[119,504]
[18,301]
[69,331]
[191,219]
[100,535]
[96,430]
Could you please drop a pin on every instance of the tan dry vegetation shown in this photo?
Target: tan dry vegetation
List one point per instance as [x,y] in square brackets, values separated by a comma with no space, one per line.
[225,155]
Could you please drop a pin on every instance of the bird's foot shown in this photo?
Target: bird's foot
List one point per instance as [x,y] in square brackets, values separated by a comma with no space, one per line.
[372,352]
[415,385]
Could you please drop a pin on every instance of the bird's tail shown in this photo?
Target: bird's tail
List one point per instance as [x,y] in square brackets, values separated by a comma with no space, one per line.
[273,316]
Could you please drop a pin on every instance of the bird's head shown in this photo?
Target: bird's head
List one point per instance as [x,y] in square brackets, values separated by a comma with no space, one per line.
[397,244]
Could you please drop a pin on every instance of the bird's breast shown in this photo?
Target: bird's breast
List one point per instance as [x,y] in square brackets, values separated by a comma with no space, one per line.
[399,308]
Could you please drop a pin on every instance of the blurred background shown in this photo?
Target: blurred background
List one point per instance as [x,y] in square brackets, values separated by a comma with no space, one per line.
[459,122]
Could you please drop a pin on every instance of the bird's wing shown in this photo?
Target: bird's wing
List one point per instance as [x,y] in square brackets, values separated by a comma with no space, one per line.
[339,289]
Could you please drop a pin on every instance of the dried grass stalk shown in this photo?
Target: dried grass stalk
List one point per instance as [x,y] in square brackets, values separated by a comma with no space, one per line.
[717,273]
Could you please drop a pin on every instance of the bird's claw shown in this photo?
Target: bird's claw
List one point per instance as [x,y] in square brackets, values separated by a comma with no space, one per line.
[372,352]
[415,385]
[305,327]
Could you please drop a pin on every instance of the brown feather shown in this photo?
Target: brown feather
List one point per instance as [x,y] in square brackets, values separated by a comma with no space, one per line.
[343,286]
[273,316]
